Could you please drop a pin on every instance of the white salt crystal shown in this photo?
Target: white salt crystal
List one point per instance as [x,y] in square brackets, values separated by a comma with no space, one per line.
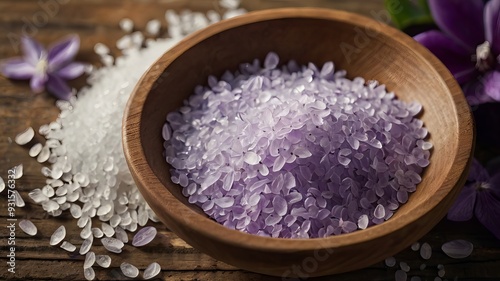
[458,249]
[97,232]
[86,245]
[25,137]
[121,234]
[18,171]
[153,27]
[404,266]
[363,221]
[107,230]
[400,275]
[112,244]
[44,155]
[415,246]
[151,271]
[58,235]
[28,227]
[126,25]
[38,196]
[2,184]
[129,270]
[68,246]
[76,211]
[103,260]
[426,251]
[251,158]
[89,273]
[56,173]
[89,260]
[101,49]
[18,199]
[390,261]
[124,42]
[35,150]
[48,191]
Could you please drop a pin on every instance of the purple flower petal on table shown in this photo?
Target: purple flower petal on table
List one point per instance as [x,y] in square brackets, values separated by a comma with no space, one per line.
[477,173]
[463,208]
[38,81]
[492,24]
[72,70]
[58,87]
[492,85]
[462,20]
[456,58]
[487,211]
[32,50]
[17,68]
[63,52]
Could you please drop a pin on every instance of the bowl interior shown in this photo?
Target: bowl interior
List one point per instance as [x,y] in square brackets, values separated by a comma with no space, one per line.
[363,48]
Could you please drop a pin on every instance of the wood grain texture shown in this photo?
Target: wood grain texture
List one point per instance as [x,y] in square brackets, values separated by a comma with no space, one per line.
[97,21]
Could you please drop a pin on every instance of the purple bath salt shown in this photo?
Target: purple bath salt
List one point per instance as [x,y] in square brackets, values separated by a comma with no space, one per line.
[295,151]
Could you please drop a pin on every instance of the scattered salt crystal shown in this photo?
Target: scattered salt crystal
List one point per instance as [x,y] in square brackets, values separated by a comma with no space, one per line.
[25,137]
[101,49]
[18,199]
[35,150]
[121,235]
[89,273]
[426,251]
[126,25]
[440,266]
[97,232]
[415,246]
[28,227]
[89,260]
[56,173]
[76,211]
[112,244]
[251,158]
[87,230]
[2,184]
[107,229]
[129,270]
[18,171]
[404,266]
[144,236]
[58,235]
[458,249]
[68,246]
[390,261]
[86,245]
[441,273]
[363,222]
[103,260]
[151,271]
[44,155]
[400,275]
[153,27]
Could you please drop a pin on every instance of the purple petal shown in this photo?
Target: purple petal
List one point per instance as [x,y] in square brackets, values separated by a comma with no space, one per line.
[487,211]
[71,71]
[144,236]
[58,87]
[462,20]
[477,173]
[463,207]
[455,57]
[63,52]
[475,92]
[32,50]
[38,81]
[17,68]
[492,24]
[492,85]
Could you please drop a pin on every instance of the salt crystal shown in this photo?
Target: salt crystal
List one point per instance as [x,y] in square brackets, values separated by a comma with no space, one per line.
[129,270]
[89,273]
[458,249]
[153,27]
[144,236]
[423,266]
[2,184]
[68,246]
[400,275]
[151,271]
[390,261]
[87,230]
[103,260]
[441,273]
[18,171]
[363,222]
[18,199]
[35,150]
[404,266]
[121,235]
[112,244]
[28,227]
[426,251]
[76,211]
[107,229]
[58,235]
[415,246]
[25,137]
[44,155]
[97,232]
[86,245]
[89,260]
[126,25]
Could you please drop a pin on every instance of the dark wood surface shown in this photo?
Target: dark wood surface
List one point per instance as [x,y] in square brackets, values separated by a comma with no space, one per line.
[97,21]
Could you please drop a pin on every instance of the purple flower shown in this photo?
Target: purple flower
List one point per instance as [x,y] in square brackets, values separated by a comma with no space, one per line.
[480,197]
[46,69]
[468,44]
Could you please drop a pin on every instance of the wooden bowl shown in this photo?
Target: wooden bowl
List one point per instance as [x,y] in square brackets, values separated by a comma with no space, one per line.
[357,44]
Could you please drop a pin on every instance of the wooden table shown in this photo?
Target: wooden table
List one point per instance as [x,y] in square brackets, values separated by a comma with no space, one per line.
[97,21]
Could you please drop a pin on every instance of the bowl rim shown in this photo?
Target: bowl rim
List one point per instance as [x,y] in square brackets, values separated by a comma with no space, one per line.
[152,189]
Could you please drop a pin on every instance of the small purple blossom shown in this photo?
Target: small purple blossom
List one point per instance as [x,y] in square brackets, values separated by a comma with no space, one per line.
[46,68]
[468,44]
[480,197]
